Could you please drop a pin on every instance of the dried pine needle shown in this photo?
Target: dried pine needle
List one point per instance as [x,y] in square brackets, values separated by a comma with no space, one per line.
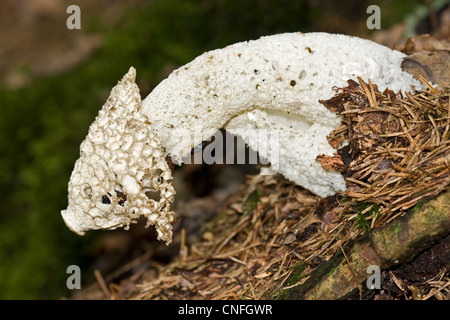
[399,153]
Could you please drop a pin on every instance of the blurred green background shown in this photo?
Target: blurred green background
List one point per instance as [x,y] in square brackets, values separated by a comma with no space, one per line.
[55,80]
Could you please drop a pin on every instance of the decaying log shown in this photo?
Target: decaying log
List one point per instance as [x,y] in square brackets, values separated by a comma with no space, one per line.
[395,243]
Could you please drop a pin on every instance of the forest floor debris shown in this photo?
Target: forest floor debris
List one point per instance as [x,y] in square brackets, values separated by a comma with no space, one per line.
[273,234]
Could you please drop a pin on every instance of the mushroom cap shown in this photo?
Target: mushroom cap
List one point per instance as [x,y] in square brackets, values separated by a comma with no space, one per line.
[121,163]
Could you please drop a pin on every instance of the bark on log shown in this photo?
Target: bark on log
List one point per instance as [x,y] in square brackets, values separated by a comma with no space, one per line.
[396,243]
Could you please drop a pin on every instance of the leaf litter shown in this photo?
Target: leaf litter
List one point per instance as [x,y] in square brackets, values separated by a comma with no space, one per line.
[394,151]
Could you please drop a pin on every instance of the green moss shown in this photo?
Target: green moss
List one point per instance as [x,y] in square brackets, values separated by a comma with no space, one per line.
[419,204]
[252,201]
[361,218]
[296,275]
[323,270]
[396,228]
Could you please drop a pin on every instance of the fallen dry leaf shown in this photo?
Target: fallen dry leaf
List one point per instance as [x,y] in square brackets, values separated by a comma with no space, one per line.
[425,42]
[333,163]
[432,65]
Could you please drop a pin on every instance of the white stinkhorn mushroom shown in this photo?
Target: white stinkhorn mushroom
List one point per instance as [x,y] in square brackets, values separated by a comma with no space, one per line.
[121,162]
[266,90]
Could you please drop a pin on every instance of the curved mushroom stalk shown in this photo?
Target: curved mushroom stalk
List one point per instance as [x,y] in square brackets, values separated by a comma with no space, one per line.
[121,166]
[292,144]
[272,85]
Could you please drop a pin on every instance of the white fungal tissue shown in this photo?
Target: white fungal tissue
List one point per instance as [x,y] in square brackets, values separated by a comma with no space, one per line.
[121,166]
[266,91]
